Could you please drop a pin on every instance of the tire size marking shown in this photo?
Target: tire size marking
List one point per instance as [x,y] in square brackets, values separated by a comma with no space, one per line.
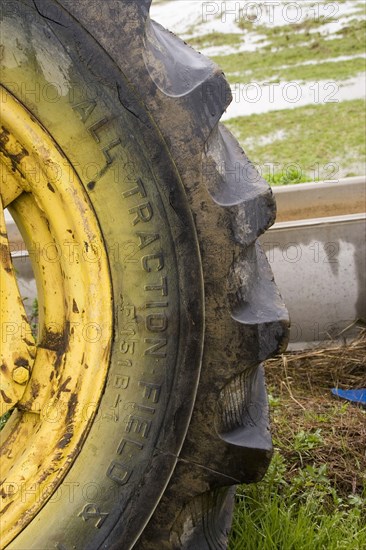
[92,511]
[84,110]
[138,424]
[139,421]
[138,428]
[94,130]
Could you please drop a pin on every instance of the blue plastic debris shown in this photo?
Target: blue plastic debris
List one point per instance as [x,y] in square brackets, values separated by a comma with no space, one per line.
[356,396]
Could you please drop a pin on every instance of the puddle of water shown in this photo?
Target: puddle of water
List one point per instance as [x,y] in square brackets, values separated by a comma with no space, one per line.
[224,17]
[257,98]
[264,140]
[178,15]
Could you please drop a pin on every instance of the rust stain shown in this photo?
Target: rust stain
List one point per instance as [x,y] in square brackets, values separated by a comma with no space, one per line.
[65,440]
[35,389]
[55,341]
[5,397]
[63,388]
[71,407]
[28,342]
[6,507]
[46,474]
[14,158]
[4,136]
[21,362]
[5,257]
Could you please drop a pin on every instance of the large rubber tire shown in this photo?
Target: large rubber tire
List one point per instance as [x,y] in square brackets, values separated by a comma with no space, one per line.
[136,112]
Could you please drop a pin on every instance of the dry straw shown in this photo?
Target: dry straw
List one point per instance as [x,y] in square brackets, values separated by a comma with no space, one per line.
[302,382]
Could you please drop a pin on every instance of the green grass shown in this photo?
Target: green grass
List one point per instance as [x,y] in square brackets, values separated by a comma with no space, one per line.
[327,70]
[261,64]
[4,419]
[360,8]
[304,514]
[272,71]
[215,39]
[325,141]
[290,48]
[313,496]
[322,141]
[291,32]
[34,316]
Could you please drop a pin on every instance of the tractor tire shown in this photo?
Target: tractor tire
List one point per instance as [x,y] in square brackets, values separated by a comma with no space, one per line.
[146,402]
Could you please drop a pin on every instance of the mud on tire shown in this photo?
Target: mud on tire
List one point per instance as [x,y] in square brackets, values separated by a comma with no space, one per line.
[182,415]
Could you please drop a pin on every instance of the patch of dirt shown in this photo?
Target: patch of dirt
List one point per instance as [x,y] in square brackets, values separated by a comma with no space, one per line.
[300,384]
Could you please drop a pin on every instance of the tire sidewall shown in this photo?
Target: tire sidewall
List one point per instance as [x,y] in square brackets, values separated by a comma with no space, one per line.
[132,447]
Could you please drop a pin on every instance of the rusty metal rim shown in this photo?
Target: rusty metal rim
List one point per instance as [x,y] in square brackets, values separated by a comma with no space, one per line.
[51,208]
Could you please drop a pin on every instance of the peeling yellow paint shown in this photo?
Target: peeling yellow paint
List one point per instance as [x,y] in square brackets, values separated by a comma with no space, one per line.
[49,204]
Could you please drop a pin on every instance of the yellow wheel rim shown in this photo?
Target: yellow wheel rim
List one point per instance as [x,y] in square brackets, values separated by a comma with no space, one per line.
[57,394]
